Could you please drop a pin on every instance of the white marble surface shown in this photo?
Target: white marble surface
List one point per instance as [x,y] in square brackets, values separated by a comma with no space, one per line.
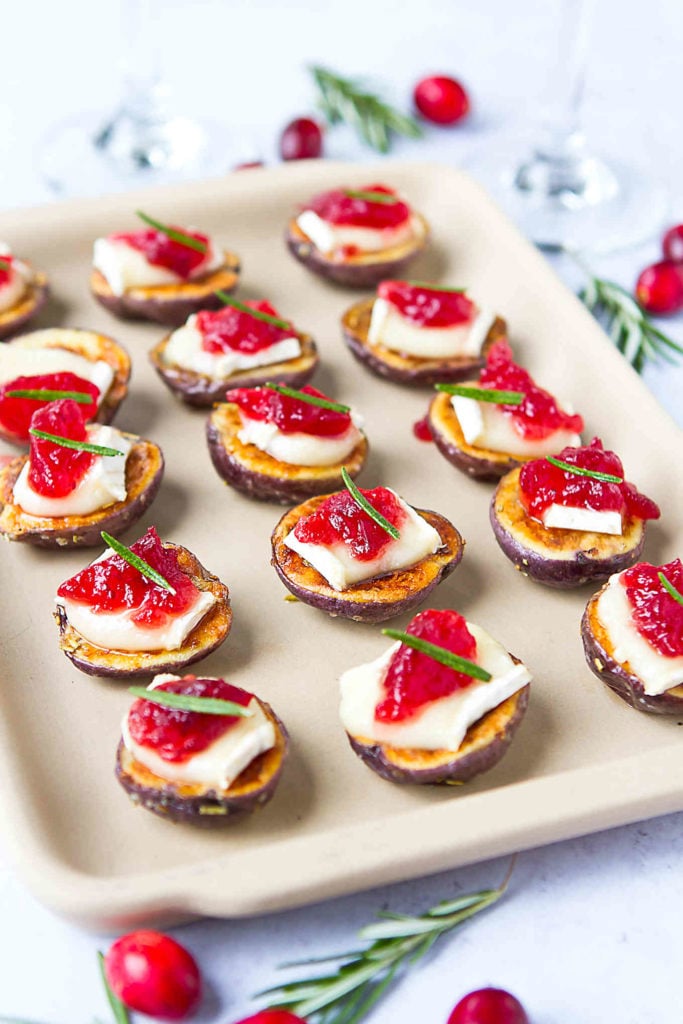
[590,931]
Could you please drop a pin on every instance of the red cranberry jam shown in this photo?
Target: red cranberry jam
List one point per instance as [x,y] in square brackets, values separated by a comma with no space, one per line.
[338,207]
[16,413]
[55,471]
[657,614]
[339,520]
[232,330]
[427,307]
[290,415]
[162,251]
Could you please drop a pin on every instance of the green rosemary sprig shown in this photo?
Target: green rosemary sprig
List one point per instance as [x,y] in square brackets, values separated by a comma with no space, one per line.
[302,396]
[186,702]
[77,446]
[669,587]
[440,654]
[4,265]
[176,236]
[121,1015]
[347,992]
[594,474]
[369,509]
[138,563]
[483,394]
[242,307]
[347,100]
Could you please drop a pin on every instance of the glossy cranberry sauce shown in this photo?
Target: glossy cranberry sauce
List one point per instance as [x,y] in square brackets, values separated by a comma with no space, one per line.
[413,679]
[337,207]
[290,415]
[658,616]
[539,415]
[232,330]
[339,520]
[113,585]
[55,471]
[422,430]
[177,735]
[162,251]
[6,273]
[16,413]
[427,307]
[542,484]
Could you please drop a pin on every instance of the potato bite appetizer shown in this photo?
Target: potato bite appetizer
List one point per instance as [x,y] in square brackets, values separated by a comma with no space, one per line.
[23,292]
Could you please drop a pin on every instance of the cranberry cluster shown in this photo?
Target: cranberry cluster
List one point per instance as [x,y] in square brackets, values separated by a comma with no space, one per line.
[659,289]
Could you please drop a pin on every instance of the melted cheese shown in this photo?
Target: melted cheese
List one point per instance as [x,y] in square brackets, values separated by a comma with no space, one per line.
[299,449]
[392,330]
[485,425]
[184,349]
[124,267]
[329,238]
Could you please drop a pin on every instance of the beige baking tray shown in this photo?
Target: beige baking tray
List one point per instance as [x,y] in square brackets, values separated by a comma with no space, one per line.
[581,761]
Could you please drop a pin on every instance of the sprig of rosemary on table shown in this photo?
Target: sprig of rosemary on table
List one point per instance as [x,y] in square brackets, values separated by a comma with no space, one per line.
[347,100]
[121,1015]
[348,992]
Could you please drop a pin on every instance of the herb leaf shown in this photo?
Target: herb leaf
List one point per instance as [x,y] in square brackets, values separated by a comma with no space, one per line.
[48,395]
[669,587]
[594,474]
[176,236]
[483,394]
[228,300]
[121,1015]
[429,286]
[365,505]
[383,198]
[79,446]
[138,563]
[187,702]
[440,654]
[323,403]
[4,265]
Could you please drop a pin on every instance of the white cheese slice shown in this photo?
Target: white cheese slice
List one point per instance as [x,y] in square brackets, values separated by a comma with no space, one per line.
[442,724]
[104,484]
[328,238]
[299,449]
[15,288]
[124,267]
[485,425]
[392,330]
[25,358]
[418,539]
[564,517]
[220,763]
[184,349]
[657,672]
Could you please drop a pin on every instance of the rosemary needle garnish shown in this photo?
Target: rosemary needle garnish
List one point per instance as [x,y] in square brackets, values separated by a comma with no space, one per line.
[48,395]
[483,394]
[365,505]
[594,474]
[78,446]
[669,587]
[176,236]
[4,265]
[228,300]
[323,403]
[121,1015]
[383,198]
[138,563]
[431,287]
[440,654]
[188,702]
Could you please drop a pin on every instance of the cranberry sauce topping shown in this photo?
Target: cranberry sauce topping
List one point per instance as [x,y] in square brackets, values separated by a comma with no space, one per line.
[428,307]
[55,471]
[539,415]
[113,585]
[231,330]
[290,415]
[542,484]
[339,520]
[337,207]
[6,273]
[16,413]
[413,679]
[422,430]
[162,251]
[177,735]
[657,615]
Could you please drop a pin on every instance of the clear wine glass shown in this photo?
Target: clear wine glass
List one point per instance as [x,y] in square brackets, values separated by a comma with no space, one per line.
[560,191]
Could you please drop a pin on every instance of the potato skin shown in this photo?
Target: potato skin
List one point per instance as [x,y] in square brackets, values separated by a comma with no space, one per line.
[599,651]
[406,369]
[363,271]
[12,320]
[531,548]
[478,463]
[144,472]
[483,747]
[204,638]
[168,304]
[258,475]
[199,805]
[374,600]
[203,392]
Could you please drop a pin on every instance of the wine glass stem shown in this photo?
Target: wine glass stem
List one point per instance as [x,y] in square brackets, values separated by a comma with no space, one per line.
[561,133]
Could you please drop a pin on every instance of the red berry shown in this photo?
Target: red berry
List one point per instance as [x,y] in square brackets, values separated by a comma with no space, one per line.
[246,166]
[154,974]
[489,1006]
[273,1017]
[302,139]
[441,100]
[672,244]
[659,288]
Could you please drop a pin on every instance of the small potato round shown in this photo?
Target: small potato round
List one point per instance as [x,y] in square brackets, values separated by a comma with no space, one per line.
[168,304]
[479,463]
[408,369]
[373,600]
[559,558]
[258,475]
[200,805]
[144,472]
[204,638]
[364,270]
[37,293]
[618,675]
[200,391]
[484,745]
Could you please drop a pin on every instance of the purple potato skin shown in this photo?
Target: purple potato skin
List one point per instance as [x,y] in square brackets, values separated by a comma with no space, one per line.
[625,684]
[478,467]
[350,274]
[11,324]
[208,809]
[451,768]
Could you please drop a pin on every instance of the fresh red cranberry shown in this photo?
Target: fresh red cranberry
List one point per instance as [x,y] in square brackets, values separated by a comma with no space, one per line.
[302,139]
[659,288]
[422,430]
[489,1006]
[273,1017]
[441,100]
[672,244]
[247,165]
[152,973]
